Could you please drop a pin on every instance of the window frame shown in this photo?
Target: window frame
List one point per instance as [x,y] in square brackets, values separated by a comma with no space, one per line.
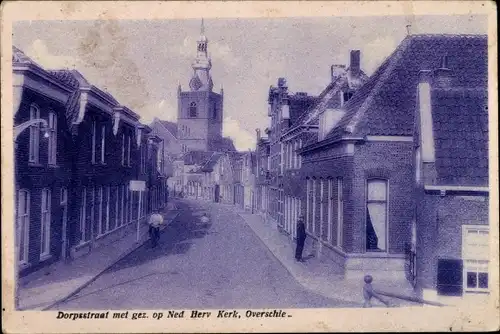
[83,214]
[23,219]
[469,262]
[52,142]
[34,138]
[45,222]
[340,212]
[94,142]
[193,110]
[386,201]
[103,144]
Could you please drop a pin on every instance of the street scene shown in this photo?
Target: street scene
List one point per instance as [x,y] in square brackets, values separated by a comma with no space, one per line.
[331,162]
[196,265]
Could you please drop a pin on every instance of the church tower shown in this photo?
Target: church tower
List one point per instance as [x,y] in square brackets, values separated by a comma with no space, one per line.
[200,110]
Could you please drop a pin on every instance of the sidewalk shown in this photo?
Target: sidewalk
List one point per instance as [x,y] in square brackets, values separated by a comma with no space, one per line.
[314,274]
[53,284]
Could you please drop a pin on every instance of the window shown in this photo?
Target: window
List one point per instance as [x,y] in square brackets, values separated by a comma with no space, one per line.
[91,219]
[123,149]
[45,224]
[214,111]
[314,195]
[23,221]
[103,144]
[117,207]
[340,211]
[94,135]
[34,148]
[108,197]
[299,156]
[100,199]
[122,211]
[321,207]
[128,152]
[83,211]
[308,200]
[347,96]
[52,145]
[193,110]
[330,211]
[475,253]
[376,215]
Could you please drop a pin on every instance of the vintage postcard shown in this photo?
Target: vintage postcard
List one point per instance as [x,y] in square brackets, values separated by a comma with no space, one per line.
[249,166]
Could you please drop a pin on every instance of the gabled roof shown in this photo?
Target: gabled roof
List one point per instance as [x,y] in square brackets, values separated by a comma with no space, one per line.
[196,157]
[328,97]
[299,105]
[385,104]
[212,161]
[170,126]
[460,127]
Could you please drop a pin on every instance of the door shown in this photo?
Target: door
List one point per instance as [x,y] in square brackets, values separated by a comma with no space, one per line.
[217,193]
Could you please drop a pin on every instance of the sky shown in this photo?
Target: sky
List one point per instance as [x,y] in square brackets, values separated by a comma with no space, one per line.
[141,62]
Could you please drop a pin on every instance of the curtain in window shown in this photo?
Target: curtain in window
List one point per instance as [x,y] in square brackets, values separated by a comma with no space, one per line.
[376,216]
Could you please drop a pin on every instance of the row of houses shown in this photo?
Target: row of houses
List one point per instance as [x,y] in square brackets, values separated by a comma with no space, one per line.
[390,171]
[77,150]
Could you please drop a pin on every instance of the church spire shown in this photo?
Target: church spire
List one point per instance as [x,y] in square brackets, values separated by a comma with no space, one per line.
[202,64]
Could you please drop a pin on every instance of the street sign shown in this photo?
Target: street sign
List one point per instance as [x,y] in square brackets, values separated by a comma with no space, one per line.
[136,185]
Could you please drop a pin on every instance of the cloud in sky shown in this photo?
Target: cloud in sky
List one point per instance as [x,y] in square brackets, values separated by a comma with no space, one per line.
[242,139]
[141,62]
[40,53]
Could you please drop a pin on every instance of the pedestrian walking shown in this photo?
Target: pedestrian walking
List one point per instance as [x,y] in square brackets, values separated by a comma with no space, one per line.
[301,238]
[155,221]
[369,293]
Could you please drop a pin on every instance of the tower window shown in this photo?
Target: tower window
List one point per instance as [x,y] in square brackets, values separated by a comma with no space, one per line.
[193,111]
[214,112]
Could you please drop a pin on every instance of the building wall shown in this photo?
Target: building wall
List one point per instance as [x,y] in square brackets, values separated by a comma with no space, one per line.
[391,161]
[195,132]
[439,230]
[35,177]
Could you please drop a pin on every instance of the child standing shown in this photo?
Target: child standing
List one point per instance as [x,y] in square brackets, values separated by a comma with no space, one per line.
[368,292]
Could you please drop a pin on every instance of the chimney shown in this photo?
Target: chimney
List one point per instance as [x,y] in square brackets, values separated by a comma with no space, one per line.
[425,115]
[336,71]
[354,65]
[443,75]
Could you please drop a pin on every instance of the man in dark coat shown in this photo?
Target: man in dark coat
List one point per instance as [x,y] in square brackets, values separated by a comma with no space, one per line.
[301,238]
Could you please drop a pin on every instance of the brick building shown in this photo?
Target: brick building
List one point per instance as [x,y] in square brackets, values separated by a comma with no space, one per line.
[307,124]
[72,189]
[283,107]
[450,244]
[359,176]
[42,174]
[262,165]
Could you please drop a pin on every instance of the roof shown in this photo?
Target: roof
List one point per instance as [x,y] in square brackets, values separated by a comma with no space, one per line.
[212,161]
[196,157]
[299,104]
[328,97]
[385,104]
[170,126]
[460,127]
[223,144]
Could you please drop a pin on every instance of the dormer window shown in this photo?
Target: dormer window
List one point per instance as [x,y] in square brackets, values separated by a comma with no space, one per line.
[193,110]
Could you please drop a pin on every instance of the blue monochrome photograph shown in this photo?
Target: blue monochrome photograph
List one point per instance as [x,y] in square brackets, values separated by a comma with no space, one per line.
[215,164]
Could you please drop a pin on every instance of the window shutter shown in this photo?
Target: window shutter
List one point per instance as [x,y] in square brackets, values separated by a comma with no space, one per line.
[449,277]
